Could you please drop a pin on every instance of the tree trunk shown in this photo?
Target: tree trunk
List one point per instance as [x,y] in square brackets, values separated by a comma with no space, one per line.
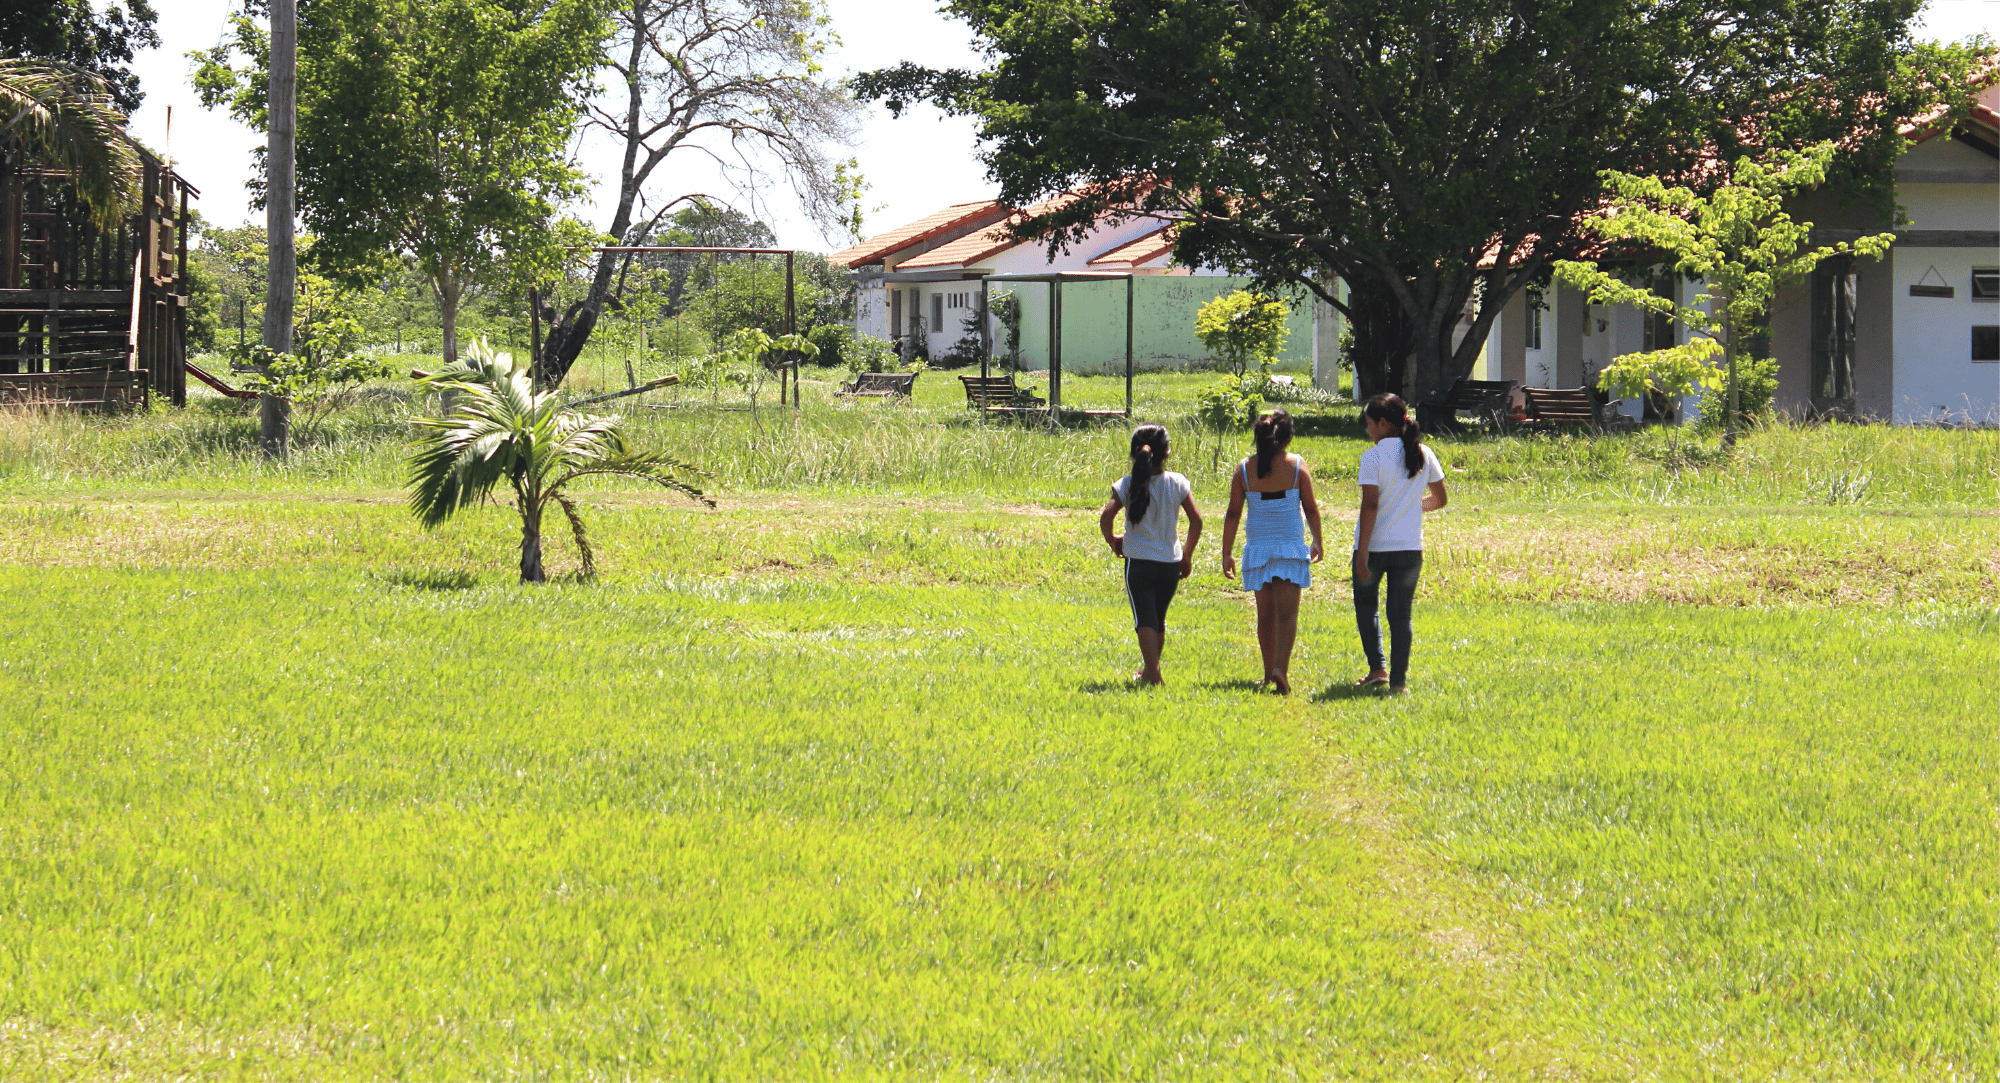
[531,542]
[1382,338]
[450,295]
[281,282]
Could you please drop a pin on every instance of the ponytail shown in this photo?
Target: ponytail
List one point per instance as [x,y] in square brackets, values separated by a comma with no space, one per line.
[1149,451]
[1273,433]
[1387,407]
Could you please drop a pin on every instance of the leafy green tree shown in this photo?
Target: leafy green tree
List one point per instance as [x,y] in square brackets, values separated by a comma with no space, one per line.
[1738,241]
[502,430]
[67,118]
[434,130]
[228,269]
[1240,328]
[320,376]
[1427,154]
[96,37]
[752,294]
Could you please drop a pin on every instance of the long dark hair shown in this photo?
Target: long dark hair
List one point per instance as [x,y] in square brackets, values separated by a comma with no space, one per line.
[1272,434]
[1149,450]
[1387,407]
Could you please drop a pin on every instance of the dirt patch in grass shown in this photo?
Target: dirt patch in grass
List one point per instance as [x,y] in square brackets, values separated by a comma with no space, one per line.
[1686,557]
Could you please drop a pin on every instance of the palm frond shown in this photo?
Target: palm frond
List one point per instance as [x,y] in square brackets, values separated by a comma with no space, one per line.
[576,528]
[660,470]
[65,117]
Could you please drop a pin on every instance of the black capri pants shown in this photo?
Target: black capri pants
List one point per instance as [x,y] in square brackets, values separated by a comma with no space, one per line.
[1150,586]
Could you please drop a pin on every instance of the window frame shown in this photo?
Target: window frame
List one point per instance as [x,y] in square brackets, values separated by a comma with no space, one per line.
[1991,275]
[1991,331]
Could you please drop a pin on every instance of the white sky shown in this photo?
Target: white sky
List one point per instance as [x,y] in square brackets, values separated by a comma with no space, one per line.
[916,165]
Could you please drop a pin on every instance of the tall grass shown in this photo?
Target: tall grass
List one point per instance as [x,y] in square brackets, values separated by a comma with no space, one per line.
[933,445]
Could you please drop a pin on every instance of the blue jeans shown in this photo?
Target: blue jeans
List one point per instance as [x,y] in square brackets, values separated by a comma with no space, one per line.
[1402,566]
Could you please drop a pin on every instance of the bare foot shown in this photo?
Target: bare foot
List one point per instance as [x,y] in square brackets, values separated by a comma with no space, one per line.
[1283,683]
[1142,677]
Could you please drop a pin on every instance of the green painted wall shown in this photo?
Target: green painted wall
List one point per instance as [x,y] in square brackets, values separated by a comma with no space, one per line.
[1163,310]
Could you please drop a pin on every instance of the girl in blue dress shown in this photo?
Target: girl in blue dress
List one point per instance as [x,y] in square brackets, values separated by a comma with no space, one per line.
[1277,564]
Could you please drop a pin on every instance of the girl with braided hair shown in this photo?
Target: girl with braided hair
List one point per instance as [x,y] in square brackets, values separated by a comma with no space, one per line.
[1155,560]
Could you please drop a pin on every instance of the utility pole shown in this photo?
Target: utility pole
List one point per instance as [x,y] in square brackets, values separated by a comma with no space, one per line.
[275,414]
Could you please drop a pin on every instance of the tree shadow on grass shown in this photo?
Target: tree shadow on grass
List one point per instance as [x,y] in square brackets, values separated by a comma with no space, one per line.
[430,579]
[1347,426]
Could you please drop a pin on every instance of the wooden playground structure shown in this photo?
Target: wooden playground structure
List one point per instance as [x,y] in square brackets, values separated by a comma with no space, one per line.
[91,318]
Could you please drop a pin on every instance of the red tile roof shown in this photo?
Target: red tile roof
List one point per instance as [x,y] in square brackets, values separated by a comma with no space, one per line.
[970,249]
[923,229]
[1144,250]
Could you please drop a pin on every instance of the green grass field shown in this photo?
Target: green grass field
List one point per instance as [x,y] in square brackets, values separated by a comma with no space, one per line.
[843,778]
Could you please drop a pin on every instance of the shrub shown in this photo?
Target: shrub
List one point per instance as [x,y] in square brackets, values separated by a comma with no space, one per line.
[834,342]
[1242,327]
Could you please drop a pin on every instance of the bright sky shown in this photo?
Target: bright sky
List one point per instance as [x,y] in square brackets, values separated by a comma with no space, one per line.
[916,165]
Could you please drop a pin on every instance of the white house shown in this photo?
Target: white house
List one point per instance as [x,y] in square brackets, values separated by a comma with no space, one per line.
[1913,337]
[926,278]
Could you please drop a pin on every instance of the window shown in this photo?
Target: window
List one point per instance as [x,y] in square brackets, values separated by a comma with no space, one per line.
[1986,343]
[937,310]
[1659,330]
[1535,307]
[1986,283]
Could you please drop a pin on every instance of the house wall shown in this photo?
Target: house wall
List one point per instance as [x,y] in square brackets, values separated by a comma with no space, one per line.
[1163,310]
[1326,343]
[1567,330]
[1935,378]
[1874,338]
[1513,339]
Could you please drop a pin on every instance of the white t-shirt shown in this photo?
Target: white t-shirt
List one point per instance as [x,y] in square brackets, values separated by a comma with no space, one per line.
[1399,513]
[1158,535]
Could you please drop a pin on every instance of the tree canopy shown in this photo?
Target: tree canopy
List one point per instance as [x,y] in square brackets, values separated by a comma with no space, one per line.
[1435,157]
[99,38]
[736,82]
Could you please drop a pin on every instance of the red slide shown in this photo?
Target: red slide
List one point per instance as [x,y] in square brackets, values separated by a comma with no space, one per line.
[201,374]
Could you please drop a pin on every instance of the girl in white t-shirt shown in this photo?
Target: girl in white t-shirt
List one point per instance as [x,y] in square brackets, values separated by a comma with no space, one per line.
[1400,481]
[1155,560]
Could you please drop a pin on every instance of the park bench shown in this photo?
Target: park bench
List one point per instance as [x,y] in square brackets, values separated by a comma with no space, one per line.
[1485,400]
[880,385]
[988,392]
[1550,408]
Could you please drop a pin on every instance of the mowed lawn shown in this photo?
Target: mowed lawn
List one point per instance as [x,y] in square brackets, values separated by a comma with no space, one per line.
[829,784]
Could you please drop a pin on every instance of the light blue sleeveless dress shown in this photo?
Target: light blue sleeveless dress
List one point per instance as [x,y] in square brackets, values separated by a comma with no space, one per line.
[1274,536]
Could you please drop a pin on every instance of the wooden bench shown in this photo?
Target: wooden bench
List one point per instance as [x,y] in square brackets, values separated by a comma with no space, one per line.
[1485,400]
[990,391]
[880,385]
[1550,408]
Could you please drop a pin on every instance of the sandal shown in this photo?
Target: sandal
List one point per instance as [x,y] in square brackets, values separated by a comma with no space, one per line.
[1371,681]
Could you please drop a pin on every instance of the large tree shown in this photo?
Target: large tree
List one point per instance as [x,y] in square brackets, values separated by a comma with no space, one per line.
[99,38]
[435,130]
[734,83]
[1432,156]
